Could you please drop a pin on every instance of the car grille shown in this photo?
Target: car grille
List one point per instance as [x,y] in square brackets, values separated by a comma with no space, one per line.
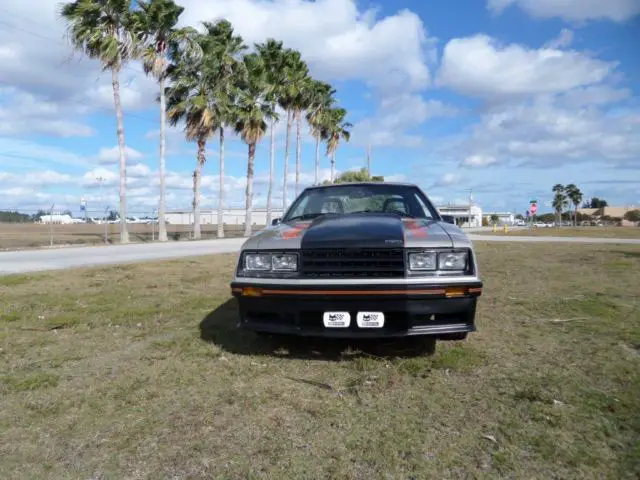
[352,263]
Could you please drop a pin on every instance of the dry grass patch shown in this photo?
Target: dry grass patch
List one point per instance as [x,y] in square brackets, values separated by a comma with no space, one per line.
[15,236]
[138,371]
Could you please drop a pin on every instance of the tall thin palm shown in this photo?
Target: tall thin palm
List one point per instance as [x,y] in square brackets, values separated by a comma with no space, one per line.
[155,27]
[559,199]
[252,109]
[320,102]
[295,79]
[273,57]
[336,130]
[226,49]
[101,29]
[191,98]
[575,196]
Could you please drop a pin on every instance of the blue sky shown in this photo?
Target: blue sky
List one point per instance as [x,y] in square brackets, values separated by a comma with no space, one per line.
[503,98]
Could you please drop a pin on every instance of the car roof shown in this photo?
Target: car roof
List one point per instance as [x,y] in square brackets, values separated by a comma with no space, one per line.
[361,184]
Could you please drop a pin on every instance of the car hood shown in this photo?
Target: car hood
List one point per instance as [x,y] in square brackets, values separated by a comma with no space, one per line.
[354,231]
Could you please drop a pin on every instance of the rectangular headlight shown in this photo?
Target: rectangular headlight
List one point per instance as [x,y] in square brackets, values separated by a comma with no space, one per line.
[422,261]
[284,262]
[452,260]
[257,262]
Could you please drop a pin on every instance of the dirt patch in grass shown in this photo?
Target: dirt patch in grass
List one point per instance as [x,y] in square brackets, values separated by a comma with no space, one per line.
[592,232]
[140,372]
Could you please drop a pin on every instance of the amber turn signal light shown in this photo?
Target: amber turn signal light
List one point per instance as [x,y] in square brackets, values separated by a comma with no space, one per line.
[455,292]
[251,292]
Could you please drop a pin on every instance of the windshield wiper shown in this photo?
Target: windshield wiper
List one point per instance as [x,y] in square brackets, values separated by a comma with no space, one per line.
[396,212]
[306,216]
[401,213]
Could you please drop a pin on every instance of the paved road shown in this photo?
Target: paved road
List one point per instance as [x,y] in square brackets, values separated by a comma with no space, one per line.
[518,238]
[25,261]
[58,258]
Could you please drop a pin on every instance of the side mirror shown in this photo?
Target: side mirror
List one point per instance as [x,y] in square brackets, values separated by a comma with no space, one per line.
[449,219]
[275,221]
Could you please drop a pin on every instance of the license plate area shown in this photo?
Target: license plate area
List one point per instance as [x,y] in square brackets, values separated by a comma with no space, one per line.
[336,319]
[370,319]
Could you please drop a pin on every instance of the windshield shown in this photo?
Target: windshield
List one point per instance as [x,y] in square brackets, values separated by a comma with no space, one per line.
[405,201]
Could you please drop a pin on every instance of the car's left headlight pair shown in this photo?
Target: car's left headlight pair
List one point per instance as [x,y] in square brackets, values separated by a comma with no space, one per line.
[433,260]
[271,262]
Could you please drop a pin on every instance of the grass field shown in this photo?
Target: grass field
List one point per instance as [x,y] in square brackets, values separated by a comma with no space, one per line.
[594,232]
[138,372]
[31,235]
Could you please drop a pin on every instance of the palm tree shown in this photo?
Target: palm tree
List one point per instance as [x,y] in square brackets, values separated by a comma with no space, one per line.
[295,79]
[336,130]
[252,108]
[559,200]
[101,29]
[575,196]
[273,56]
[155,27]
[192,97]
[225,48]
[320,102]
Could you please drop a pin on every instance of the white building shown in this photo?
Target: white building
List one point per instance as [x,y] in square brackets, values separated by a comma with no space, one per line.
[230,216]
[465,215]
[469,216]
[56,218]
[504,218]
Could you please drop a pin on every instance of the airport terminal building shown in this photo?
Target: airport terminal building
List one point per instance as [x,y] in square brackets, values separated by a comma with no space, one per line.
[465,215]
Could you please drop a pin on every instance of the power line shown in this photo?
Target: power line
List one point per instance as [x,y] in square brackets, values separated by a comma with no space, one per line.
[43,37]
[98,107]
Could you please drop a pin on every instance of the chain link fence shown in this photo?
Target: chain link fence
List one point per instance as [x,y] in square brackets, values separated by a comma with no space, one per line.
[40,228]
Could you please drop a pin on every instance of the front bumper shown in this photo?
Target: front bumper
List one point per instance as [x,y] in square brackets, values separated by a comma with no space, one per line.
[416,309]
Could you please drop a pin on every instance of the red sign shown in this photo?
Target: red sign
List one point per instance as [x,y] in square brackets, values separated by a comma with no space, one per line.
[533,208]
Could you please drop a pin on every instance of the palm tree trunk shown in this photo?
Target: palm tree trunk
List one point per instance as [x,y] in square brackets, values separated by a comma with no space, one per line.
[249,191]
[115,82]
[333,166]
[317,160]
[298,148]
[162,226]
[272,165]
[196,188]
[221,186]
[286,163]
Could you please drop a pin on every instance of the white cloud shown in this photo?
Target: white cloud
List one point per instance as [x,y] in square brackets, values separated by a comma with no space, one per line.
[36,178]
[563,40]
[23,113]
[576,10]
[480,66]
[479,161]
[594,95]
[100,177]
[27,154]
[53,83]
[544,132]
[339,41]
[397,115]
[448,180]
[111,156]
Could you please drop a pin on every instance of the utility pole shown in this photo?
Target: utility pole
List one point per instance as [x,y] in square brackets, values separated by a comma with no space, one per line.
[104,218]
[51,225]
[369,159]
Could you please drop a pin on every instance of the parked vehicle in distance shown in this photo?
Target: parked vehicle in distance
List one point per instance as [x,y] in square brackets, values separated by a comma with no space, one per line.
[360,260]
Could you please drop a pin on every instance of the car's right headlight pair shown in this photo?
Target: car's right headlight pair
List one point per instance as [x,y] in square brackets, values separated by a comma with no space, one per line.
[433,260]
[271,262]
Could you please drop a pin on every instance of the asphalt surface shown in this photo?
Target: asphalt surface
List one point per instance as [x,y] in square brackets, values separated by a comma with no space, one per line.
[25,261]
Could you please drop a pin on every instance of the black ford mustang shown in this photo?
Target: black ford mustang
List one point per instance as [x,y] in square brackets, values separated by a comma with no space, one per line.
[359,260]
